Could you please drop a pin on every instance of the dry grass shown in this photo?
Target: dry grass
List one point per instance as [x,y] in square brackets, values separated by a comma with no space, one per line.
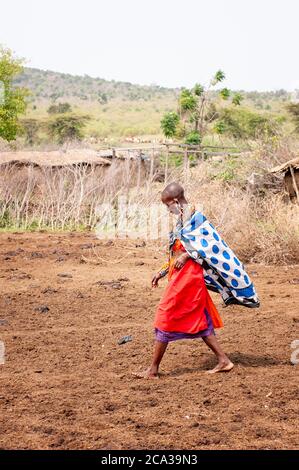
[261,227]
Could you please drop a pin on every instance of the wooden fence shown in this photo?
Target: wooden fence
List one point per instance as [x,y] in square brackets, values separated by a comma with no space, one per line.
[152,153]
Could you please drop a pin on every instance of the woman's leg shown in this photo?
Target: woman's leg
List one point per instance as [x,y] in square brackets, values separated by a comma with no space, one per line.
[152,371]
[224,363]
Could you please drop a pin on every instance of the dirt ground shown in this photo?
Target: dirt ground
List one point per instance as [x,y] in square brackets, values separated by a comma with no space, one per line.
[67,384]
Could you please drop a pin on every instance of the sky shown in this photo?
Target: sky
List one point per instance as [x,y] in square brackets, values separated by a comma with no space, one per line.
[170,43]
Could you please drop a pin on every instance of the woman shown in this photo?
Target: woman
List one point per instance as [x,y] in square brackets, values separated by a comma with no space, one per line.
[186,310]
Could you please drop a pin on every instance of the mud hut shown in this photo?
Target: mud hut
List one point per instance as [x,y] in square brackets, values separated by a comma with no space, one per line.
[290,172]
[54,159]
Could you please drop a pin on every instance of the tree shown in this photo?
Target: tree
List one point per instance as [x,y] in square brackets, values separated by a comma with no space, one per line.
[169,124]
[196,109]
[59,108]
[30,129]
[242,123]
[12,99]
[293,109]
[67,127]
[102,98]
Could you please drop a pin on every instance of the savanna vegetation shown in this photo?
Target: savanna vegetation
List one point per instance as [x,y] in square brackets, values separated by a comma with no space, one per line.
[118,111]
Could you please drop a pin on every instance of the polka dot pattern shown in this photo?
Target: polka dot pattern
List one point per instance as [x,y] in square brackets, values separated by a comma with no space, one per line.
[221,259]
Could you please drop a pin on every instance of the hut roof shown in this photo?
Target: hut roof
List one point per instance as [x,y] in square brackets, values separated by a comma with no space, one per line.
[294,163]
[56,158]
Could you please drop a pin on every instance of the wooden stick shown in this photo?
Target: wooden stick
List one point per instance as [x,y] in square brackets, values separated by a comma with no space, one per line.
[152,165]
[139,171]
[166,164]
[186,169]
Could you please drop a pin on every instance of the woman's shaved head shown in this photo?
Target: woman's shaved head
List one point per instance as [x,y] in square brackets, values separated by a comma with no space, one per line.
[173,197]
[173,191]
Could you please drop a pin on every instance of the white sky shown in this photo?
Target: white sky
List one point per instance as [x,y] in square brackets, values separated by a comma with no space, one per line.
[167,42]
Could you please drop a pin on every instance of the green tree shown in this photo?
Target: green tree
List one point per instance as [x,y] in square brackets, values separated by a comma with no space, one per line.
[67,127]
[59,108]
[30,128]
[169,124]
[12,99]
[102,98]
[196,110]
[293,109]
[242,123]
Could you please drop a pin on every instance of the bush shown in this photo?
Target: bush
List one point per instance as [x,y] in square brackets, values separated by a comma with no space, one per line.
[241,123]
[67,127]
[60,108]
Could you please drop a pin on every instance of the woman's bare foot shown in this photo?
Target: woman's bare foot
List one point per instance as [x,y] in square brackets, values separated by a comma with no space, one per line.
[222,366]
[150,373]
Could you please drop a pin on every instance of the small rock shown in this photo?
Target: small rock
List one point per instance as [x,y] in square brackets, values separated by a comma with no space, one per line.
[14,253]
[49,290]
[125,339]
[207,402]
[42,309]
[36,254]
[68,275]
[116,285]
[3,322]
[111,284]
[139,263]
[21,276]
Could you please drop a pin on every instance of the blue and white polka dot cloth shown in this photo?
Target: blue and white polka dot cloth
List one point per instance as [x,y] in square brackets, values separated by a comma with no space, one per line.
[223,271]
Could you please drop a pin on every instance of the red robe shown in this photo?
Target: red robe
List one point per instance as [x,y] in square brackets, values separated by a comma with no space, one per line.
[185,299]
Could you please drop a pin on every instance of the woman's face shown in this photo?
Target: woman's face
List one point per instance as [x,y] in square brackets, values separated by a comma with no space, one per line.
[172,205]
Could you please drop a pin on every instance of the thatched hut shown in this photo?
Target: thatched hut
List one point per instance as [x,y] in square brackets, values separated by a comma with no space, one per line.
[54,159]
[290,172]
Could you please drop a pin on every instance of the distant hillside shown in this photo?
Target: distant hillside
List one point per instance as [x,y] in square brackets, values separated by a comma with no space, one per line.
[119,109]
[54,85]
